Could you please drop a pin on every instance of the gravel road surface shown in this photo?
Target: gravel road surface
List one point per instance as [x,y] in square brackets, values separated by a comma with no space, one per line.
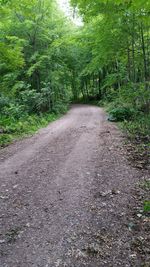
[64,195]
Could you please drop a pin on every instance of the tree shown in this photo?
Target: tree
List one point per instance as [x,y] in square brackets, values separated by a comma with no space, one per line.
[117,36]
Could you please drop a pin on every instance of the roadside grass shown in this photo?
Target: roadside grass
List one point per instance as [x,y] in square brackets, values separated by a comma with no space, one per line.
[146,206]
[134,123]
[136,126]
[12,128]
[137,132]
[138,129]
[145,185]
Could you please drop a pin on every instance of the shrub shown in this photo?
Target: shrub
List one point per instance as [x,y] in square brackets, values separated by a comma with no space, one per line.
[147,206]
[60,107]
[139,127]
[5,139]
[37,102]
[4,101]
[29,99]
[121,113]
[15,111]
[13,128]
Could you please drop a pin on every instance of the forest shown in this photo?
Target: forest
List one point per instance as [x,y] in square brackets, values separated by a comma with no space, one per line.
[48,62]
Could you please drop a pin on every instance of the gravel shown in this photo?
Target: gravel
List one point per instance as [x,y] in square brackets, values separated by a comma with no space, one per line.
[65,194]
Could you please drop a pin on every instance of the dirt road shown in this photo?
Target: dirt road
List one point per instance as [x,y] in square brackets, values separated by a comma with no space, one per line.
[64,195]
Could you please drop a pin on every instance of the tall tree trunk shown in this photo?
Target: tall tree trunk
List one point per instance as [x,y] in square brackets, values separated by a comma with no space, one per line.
[129,62]
[144,51]
[99,84]
[74,89]
[86,87]
[118,78]
[133,50]
[93,84]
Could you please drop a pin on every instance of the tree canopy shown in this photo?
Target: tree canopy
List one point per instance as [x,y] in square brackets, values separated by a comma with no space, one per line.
[118,37]
[46,61]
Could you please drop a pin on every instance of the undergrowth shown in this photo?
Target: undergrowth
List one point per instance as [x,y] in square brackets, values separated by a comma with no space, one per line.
[135,123]
[138,128]
[25,116]
[13,128]
[133,120]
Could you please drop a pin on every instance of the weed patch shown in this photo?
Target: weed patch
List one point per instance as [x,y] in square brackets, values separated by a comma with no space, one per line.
[13,128]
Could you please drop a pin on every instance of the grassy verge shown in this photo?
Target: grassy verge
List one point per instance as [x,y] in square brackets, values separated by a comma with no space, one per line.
[12,128]
[136,126]
[137,131]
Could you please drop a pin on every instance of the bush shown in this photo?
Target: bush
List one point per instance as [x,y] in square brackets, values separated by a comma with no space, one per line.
[5,139]
[60,107]
[30,99]
[15,111]
[13,128]
[121,114]
[37,102]
[139,128]
[4,101]
[147,206]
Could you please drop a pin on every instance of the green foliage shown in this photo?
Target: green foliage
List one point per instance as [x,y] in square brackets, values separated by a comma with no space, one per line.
[15,111]
[139,127]
[5,139]
[146,185]
[115,40]
[45,60]
[60,107]
[15,128]
[121,113]
[36,59]
[3,102]
[146,206]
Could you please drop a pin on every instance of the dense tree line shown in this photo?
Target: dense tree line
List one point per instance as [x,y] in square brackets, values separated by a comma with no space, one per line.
[37,62]
[34,57]
[46,61]
[116,40]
